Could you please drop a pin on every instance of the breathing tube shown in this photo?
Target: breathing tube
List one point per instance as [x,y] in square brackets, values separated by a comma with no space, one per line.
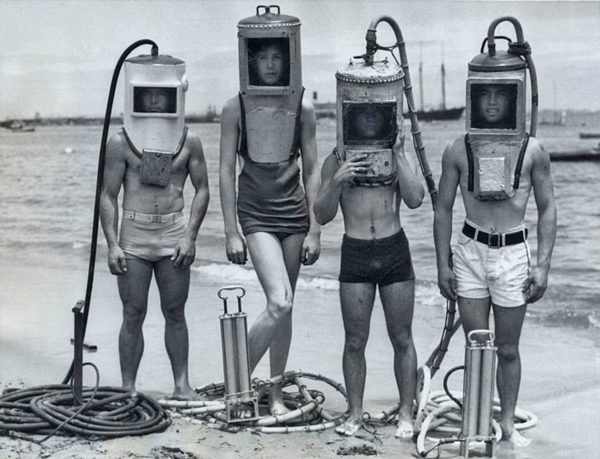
[240,402]
[372,47]
[449,412]
[468,417]
[307,413]
[433,363]
[444,415]
[518,48]
[108,412]
[99,179]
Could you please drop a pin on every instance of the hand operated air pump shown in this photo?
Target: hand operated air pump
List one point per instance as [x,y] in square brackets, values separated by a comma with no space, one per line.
[241,400]
[478,390]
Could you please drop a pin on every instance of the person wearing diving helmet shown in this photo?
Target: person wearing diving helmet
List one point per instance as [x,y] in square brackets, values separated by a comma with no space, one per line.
[266,127]
[496,165]
[151,159]
[369,176]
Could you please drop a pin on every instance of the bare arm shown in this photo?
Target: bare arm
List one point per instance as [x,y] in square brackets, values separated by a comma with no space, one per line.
[333,177]
[114,172]
[185,251]
[310,177]
[442,223]
[310,171]
[328,198]
[234,244]
[411,189]
[543,190]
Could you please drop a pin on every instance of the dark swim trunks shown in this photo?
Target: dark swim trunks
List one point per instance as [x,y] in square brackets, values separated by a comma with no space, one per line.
[271,199]
[376,261]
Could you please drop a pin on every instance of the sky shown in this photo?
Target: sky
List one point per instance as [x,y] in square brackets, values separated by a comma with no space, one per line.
[57,57]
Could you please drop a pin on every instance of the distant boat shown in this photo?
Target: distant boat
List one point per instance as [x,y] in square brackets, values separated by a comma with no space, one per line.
[589,135]
[17,126]
[442,113]
[582,154]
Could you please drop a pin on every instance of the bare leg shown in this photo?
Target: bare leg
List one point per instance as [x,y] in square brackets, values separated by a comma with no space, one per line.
[133,290]
[280,346]
[398,305]
[357,306]
[173,286]
[509,322]
[474,313]
[268,261]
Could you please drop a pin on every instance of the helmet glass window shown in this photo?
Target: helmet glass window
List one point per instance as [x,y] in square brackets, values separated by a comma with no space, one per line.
[370,123]
[154,99]
[268,61]
[494,106]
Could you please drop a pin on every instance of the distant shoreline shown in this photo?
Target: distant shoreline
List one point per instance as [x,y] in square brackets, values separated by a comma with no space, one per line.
[324,110]
[93,121]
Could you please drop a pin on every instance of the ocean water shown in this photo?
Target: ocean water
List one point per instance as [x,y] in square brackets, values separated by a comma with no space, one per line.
[48,179]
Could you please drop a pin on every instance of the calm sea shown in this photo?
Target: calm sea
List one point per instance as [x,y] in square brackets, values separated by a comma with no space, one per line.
[47,186]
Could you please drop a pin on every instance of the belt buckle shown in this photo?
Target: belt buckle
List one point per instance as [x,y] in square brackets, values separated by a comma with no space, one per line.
[156,219]
[498,243]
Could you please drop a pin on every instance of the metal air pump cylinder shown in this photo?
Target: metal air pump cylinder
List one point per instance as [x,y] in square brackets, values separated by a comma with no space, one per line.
[240,399]
[478,383]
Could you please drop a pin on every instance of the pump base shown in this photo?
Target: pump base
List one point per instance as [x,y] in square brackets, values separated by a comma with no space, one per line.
[242,406]
[490,445]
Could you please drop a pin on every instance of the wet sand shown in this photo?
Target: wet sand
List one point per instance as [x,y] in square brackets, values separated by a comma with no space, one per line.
[560,381]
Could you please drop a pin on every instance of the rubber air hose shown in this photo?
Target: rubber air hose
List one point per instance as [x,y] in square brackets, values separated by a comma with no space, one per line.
[99,178]
[107,412]
[372,47]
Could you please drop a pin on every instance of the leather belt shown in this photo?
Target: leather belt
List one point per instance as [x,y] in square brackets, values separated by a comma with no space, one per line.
[497,239]
[151,218]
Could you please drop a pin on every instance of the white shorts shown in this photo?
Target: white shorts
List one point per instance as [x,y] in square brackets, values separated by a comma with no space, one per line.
[498,273]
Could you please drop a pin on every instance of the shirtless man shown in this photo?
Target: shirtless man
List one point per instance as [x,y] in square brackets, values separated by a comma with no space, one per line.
[496,274]
[375,254]
[155,239]
[275,213]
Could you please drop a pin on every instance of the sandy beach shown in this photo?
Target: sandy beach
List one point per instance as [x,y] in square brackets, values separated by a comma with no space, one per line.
[43,271]
[560,382]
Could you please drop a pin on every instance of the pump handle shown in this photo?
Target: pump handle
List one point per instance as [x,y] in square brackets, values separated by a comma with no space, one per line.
[231,288]
[267,9]
[479,337]
[78,308]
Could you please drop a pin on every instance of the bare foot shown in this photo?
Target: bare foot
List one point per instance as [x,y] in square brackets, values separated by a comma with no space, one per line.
[129,388]
[349,428]
[278,408]
[405,429]
[517,439]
